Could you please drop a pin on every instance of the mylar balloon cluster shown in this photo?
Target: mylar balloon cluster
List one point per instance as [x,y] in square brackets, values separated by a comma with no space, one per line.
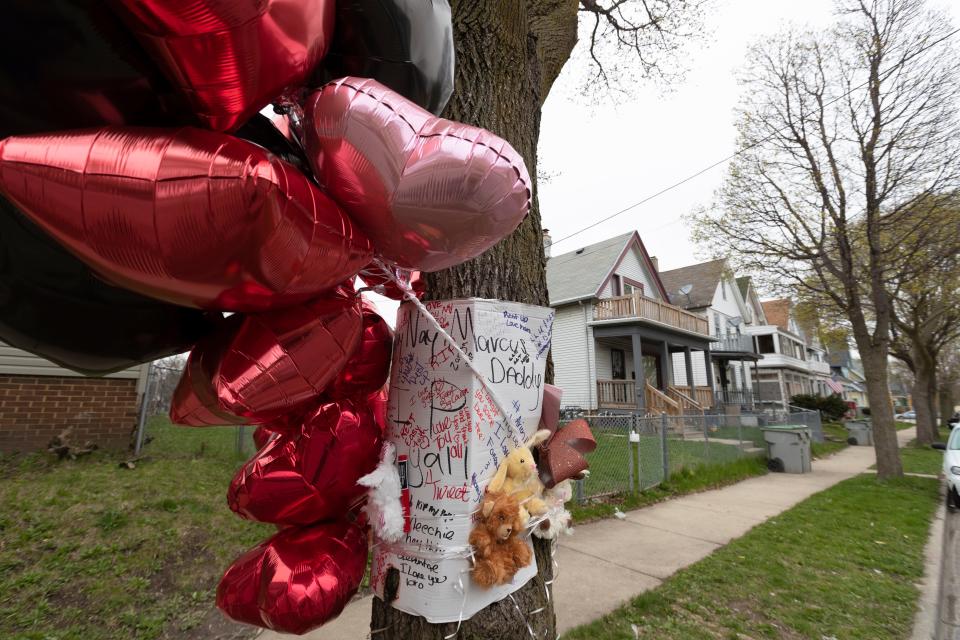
[142,195]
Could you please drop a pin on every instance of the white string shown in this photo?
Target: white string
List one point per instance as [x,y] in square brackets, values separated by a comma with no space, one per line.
[408,293]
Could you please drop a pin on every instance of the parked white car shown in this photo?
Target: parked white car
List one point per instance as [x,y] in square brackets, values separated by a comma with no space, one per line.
[951,467]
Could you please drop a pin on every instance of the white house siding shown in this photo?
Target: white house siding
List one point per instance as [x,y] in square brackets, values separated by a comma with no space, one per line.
[572,353]
[696,362]
[632,267]
[604,361]
[15,361]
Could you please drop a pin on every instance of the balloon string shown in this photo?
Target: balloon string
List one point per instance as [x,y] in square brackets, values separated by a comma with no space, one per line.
[409,295]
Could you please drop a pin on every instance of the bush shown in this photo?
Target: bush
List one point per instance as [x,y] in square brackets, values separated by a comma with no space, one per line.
[866,410]
[831,407]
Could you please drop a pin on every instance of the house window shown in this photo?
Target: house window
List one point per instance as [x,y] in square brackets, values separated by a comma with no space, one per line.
[723,289]
[631,287]
[716,324]
[618,364]
[765,344]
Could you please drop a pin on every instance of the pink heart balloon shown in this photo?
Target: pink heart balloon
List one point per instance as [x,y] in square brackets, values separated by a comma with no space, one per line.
[265,366]
[430,193]
[193,217]
[232,57]
[312,475]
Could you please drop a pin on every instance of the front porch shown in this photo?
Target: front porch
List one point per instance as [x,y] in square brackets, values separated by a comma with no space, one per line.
[652,370]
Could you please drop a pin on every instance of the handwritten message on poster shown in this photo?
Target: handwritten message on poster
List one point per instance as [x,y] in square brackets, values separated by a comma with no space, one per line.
[450,438]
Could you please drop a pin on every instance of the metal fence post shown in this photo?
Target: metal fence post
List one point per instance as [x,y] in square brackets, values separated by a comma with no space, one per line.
[639,457]
[663,446]
[630,431]
[142,412]
[706,439]
[580,498]
[241,432]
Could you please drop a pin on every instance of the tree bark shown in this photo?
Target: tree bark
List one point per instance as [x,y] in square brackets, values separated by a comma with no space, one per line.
[945,394]
[923,399]
[881,409]
[508,54]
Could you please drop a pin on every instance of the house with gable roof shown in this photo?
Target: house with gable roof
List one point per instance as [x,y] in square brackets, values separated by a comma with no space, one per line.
[619,343]
[710,289]
[793,361]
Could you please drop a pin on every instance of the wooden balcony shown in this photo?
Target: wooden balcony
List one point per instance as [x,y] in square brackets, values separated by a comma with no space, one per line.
[644,308]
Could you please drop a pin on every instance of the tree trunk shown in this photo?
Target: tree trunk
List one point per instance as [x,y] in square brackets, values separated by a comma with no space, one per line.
[923,401]
[934,409]
[945,394]
[881,409]
[508,53]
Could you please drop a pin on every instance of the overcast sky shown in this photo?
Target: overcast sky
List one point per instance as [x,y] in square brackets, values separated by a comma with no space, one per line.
[604,158]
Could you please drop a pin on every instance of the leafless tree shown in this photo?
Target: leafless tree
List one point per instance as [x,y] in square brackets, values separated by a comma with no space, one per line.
[840,132]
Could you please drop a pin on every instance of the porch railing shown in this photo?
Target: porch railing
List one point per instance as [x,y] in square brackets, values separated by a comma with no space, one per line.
[744,398]
[622,394]
[617,394]
[742,344]
[659,402]
[640,306]
[687,404]
[703,396]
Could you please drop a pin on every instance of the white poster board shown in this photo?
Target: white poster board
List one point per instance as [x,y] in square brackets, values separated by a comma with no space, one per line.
[451,437]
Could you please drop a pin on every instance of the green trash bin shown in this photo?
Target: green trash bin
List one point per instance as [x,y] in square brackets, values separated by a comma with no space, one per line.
[788,448]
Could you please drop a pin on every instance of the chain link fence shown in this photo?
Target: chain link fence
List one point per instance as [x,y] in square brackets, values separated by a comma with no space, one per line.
[636,452]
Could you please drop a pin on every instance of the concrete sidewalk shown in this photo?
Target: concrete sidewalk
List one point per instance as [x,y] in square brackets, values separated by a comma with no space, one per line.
[608,562]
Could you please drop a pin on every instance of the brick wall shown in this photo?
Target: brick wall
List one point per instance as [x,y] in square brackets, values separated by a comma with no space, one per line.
[35,409]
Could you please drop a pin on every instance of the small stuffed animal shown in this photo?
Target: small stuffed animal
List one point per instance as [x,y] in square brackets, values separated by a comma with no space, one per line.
[384,508]
[498,550]
[517,476]
[557,519]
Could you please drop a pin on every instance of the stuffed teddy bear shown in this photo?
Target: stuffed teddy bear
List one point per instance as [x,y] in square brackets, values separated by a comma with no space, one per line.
[557,518]
[498,550]
[518,476]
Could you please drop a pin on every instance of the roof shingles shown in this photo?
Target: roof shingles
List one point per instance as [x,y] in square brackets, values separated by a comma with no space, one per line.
[578,274]
[704,277]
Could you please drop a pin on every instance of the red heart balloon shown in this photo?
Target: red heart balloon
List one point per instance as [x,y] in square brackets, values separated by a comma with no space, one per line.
[367,369]
[298,579]
[430,193]
[262,435]
[265,366]
[310,476]
[232,57]
[188,216]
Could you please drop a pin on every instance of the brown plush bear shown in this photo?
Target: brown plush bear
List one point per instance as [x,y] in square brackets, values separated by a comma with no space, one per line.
[497,547]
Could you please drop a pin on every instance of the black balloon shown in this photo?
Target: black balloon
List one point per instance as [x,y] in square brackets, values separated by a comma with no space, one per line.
[260,130]
[72,63]
[405,44]
[53,306]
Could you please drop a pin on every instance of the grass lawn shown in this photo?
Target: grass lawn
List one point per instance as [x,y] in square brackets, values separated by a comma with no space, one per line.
[917,458]
[92,551]
[689,480]
[610,461]
[841,564]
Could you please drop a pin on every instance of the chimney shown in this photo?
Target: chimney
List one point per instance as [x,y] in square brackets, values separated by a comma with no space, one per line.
[656,263]
[547,242]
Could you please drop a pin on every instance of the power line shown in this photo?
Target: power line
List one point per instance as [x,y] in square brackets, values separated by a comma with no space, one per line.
[740,151]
